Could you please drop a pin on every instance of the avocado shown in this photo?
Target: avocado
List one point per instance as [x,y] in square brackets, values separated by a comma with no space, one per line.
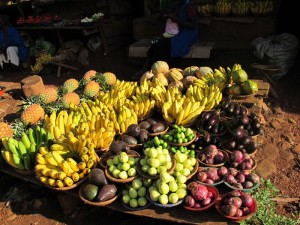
[89,191]
[143,137]
[158,127]
[133,130]
[144,125]
[151,121]
[129,139]
[106,192]
[118,146]
[97,177]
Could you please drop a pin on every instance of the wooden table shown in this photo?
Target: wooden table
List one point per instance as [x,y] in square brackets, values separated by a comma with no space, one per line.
[176,214]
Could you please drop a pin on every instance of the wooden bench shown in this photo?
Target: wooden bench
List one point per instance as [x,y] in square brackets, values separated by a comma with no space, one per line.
[198,50]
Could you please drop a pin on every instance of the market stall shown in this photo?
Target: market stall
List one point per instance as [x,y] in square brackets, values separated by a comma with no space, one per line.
[186,116]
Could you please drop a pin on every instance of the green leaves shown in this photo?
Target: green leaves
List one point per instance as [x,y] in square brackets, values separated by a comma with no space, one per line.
[266,213]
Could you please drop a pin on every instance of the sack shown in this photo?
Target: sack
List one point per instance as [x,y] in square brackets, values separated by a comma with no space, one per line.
[280,50]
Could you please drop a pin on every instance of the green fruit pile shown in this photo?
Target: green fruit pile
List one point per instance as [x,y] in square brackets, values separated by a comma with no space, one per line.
[134,193]
[167,189]
[179,135]
[156,160]
[122,166]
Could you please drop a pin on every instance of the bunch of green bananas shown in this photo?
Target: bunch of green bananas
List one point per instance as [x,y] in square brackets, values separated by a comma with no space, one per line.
[20,154]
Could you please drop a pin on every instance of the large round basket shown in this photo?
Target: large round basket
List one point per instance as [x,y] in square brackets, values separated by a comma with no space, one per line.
[104,203]
[154,177]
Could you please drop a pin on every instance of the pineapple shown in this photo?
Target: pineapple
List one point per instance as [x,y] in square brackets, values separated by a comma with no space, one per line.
[68,98]
[5,130]
[110,78]
[49,95]
[91,89]
[88,76]
[70,85]
[32,114]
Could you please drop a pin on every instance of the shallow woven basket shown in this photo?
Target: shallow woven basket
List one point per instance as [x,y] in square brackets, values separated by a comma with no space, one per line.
[119,180]
[104,203]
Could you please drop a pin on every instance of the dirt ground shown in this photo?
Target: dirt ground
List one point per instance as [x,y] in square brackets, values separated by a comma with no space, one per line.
[278,156]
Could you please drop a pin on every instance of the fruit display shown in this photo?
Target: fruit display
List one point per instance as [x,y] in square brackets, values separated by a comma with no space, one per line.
[133,195]
[200,197]
[240,84]
[212,156]
[156,160]
[236,205]
[231,108]
[66,163]
[180,135]
[20,154]
[241,161]
[97,190]
[190,139]
[121,167]
[242,180]
[167,191]
[211,176]
[211,121]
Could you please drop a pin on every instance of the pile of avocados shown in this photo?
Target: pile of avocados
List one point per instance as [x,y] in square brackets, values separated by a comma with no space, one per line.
[138,133]
[97,188]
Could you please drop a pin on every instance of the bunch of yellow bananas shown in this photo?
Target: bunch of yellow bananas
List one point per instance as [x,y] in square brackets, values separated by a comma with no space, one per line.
[182,111]
[208,96]
[100,129]
[122,117]
[213,97]
[59,124]
[142,105]
[127,86]
[112,97]
[144,88]
[66,162]
[159,95]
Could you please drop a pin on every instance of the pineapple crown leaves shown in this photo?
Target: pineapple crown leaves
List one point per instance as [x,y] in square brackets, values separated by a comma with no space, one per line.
[100,79]
[18,127]
[26,102]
